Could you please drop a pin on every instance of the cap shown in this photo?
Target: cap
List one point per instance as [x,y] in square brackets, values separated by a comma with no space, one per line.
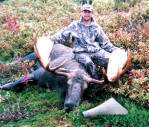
[87,7]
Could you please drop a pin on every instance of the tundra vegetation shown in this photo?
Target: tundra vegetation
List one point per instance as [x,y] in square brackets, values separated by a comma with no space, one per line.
[127,25]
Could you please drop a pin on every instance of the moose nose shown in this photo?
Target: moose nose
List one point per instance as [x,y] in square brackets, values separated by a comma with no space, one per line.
[68,106]
[72,100]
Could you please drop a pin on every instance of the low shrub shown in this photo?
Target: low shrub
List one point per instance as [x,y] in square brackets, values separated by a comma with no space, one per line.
[127,28]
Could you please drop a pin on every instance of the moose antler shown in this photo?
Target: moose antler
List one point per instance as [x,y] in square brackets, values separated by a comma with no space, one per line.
[45,62]
[91,80]
[124,69]
[46,45]
[86,78]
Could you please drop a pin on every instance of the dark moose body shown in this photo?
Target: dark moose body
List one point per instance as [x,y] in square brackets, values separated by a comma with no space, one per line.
[71,85]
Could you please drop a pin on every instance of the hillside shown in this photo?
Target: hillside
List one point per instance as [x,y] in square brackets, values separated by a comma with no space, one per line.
[126,25]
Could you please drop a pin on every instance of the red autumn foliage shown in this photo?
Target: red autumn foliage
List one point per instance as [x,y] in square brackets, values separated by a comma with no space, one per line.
[108,125]
[25,79]
[76,112]
[92,115]
[12,24]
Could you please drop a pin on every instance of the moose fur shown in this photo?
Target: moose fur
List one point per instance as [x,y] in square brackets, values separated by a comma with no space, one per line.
[60,72]
[71,84]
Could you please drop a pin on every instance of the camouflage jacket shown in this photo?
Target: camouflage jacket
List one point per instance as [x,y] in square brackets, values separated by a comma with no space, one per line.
[84,38]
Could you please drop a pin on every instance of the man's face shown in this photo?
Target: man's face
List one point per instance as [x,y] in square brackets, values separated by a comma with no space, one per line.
[87,15]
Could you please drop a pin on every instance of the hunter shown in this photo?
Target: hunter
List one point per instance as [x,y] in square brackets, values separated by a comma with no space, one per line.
[90,43]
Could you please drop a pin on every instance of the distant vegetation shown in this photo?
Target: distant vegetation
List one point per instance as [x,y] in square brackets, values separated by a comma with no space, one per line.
[126,23]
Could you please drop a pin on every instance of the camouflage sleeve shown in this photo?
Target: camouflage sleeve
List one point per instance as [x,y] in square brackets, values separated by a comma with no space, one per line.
[63,36]
[104,42]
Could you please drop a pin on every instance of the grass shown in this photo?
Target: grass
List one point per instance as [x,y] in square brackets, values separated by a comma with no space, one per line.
[127,27]
[43,107]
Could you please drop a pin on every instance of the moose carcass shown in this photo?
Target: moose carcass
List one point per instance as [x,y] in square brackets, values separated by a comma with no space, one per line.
[69,77]
[79,76]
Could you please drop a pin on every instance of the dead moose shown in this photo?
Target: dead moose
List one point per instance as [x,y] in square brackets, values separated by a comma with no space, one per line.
[60,72]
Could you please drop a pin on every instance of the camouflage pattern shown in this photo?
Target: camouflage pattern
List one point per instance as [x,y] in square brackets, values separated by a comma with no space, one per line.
[87,7]
[89,39]
[90,44]
[90,60]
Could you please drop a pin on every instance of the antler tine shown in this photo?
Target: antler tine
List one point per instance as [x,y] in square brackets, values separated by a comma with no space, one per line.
[55,68]
[97,81]
[91,80]
[68,75]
